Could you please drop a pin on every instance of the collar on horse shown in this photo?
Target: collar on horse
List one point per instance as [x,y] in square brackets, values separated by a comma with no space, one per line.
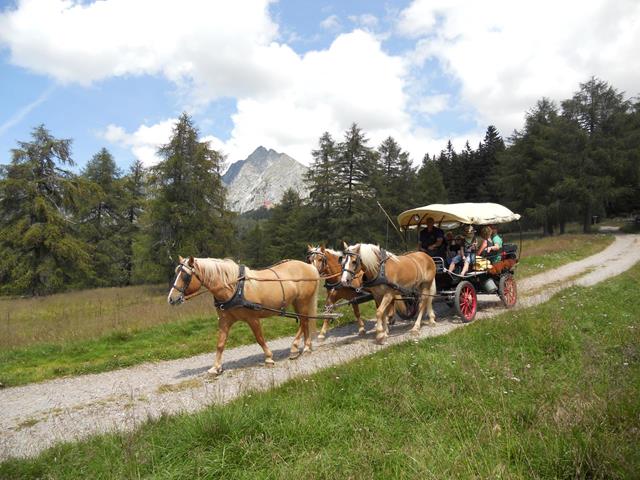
[381,278]
[238,300]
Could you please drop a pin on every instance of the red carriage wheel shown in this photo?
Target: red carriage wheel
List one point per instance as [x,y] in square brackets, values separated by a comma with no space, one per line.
[466,301]
[508,290]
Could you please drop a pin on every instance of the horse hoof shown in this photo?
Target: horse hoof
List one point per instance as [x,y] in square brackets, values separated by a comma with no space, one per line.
[215,371]
[321,337]
[361,331]
[380,338]
[307,351]
[294,355]
[415,332]
[268,362]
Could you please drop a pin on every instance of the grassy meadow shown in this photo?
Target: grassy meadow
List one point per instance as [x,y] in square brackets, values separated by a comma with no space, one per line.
[545,392]
[103,329]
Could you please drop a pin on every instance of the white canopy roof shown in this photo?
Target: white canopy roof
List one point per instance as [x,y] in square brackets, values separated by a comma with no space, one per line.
[472,213]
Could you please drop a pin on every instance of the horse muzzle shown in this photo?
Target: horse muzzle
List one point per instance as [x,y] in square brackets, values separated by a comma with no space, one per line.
[176,301]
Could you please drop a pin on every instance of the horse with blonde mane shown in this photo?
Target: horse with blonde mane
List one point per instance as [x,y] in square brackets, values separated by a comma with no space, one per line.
[389,278]
[244,294]
[327,262]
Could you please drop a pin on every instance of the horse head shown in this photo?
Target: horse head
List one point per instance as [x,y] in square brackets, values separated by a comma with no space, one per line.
[186,283]
[351,263]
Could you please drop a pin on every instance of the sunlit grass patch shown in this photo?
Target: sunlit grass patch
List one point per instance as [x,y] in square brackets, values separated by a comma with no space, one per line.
[544,392]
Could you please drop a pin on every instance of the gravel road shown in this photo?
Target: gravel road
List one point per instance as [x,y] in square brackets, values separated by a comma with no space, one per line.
[36,416]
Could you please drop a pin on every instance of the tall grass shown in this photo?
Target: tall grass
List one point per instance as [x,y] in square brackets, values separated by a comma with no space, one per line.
[546,392]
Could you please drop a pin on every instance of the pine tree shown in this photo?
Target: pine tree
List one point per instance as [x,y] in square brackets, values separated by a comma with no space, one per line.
[186,214]
[485,167]
[430,185]
[395,183]
[322,184]
[594,109]
[40,252]
[531,167]
[132,208]
[355,168]
[286,238]
[101,220]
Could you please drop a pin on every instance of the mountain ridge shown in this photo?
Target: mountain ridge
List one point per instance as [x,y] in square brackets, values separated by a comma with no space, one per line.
[262,178]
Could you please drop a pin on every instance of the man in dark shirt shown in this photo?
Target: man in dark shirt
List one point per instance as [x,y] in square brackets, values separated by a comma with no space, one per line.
[432,240]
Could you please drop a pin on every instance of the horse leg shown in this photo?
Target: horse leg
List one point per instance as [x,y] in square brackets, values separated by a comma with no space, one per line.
[331,300]
[415,330]
[256,328]
[381,317]
[430,311]
[323,330]
[223,331]
[295,351]
[307,336]
[356,312]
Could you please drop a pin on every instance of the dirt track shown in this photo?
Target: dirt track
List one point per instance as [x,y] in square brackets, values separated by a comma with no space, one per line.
[36,416]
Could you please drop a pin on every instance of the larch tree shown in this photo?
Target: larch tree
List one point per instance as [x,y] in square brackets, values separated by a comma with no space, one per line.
[186,212]
[40,252]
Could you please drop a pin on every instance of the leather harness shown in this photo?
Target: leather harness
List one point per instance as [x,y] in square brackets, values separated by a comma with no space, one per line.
[238,300]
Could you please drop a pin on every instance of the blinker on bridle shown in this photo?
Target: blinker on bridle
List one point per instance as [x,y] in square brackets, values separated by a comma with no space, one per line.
[186,278]
[356,264]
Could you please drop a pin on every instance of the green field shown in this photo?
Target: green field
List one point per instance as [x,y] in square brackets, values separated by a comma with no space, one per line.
[98,330]
[545,392]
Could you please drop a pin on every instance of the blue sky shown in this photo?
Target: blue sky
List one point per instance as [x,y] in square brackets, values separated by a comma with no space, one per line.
[117,73]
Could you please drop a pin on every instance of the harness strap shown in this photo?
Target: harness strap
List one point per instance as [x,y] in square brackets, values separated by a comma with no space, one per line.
[238,300]
[283,304]
[381,278]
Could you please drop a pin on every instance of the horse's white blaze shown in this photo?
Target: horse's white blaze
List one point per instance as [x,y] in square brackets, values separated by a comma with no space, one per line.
[347,276]
[173,289]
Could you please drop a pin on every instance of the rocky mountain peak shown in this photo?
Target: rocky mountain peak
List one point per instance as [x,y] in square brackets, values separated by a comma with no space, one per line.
[262,178]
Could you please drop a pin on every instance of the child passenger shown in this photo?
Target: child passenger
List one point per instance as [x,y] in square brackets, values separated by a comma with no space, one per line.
[466,251]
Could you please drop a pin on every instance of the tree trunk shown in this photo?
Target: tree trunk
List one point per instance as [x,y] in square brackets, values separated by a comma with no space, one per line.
[586,225]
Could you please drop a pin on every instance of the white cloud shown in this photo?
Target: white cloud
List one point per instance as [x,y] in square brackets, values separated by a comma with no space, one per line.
[144,142]
[365,20]
[218,48]
[433,104]
[332,22]
[508,56]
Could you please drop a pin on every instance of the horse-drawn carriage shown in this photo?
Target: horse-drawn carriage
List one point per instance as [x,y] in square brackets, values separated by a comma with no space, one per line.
[484,277]
[400,284]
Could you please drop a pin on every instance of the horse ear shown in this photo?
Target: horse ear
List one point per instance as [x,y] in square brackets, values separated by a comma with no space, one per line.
[344,244]
[309,247]
[191,261]
[180,259]
[322,248]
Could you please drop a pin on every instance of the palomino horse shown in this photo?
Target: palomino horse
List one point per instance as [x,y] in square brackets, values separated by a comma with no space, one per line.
[386,276]
[327,262]
[250,296]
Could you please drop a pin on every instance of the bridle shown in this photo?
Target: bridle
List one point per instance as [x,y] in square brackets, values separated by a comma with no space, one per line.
[323,256]
[357,263]
[187,275]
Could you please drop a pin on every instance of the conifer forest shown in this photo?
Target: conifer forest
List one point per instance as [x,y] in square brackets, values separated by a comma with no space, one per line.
[62,228]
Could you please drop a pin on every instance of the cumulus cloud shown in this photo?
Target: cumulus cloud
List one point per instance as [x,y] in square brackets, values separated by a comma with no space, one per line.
[79,42]
[143,142]
[332,22]
[509,55]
